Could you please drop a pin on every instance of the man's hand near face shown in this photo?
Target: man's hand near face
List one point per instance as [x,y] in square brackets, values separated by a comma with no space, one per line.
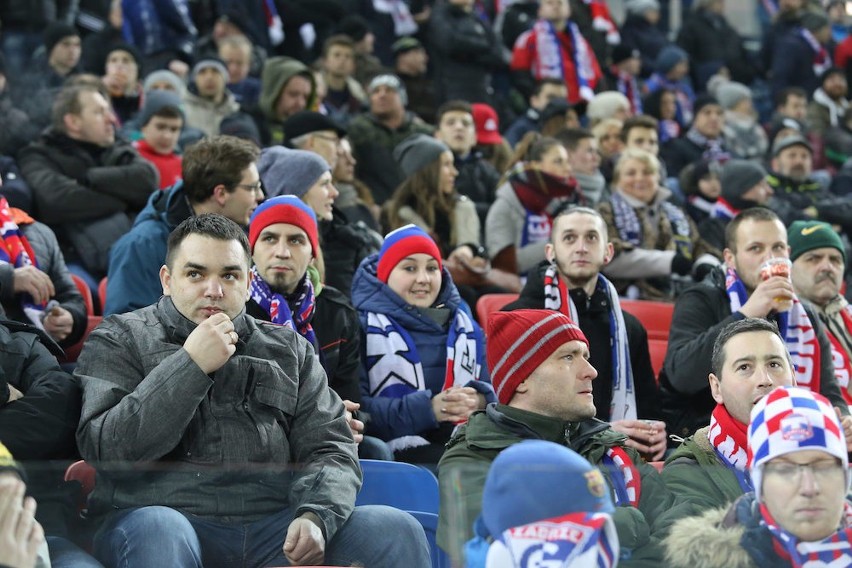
[304,544]
[212,343]
[763,299]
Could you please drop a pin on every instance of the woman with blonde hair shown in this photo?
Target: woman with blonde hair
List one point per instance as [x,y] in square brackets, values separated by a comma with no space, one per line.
[653,238]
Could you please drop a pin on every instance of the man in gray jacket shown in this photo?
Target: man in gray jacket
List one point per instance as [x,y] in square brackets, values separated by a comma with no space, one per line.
[248,458]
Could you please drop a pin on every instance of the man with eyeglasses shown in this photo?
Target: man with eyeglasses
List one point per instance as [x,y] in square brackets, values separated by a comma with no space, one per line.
[219,176]
[797,514]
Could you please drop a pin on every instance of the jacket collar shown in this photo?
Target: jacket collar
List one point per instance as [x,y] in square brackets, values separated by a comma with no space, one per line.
[178,327]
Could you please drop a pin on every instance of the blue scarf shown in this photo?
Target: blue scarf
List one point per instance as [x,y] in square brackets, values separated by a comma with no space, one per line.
[394,368]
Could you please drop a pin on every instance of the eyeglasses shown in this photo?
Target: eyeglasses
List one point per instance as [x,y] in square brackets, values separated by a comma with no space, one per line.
[821,470]
[253,187]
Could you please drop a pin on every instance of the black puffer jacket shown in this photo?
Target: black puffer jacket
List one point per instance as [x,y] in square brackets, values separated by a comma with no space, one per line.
[344,246]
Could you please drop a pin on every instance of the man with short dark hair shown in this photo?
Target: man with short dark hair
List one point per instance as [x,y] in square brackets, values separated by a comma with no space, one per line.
[819,263]
[411,66]
[345,97]
[219,176]
[742,289]
[709,469]
[582,147]
[207,100]
[539,364]
[703,140]
[570,282]
[545,91]
[477,179]
[829,102]
[87,186]
[251,460]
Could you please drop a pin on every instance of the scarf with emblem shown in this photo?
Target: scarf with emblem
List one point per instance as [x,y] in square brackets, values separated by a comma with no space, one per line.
[15,249]
[834,550]
[556,297]
[795,327]
[729,437]
[541,194]
[276,306]
[394,368]
[630,227]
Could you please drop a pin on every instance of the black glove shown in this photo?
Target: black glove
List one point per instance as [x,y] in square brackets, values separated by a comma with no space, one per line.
[681,264]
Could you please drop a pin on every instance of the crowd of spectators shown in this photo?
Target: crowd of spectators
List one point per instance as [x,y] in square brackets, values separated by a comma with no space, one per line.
[485,140]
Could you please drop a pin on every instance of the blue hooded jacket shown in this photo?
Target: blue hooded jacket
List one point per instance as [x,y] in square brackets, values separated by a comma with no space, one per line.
[412,414]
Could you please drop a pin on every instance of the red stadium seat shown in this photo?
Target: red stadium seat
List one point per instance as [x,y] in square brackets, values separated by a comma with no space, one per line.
[657,348]
[86,293]
[656,317]
[489,303]
[102,293]
[85,474]
[71,353]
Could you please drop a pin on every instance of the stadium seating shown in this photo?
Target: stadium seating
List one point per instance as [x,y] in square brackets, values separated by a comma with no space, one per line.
[655,316]
[86,293]
[488,303]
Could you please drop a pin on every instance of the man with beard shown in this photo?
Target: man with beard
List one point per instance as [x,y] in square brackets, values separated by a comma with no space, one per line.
[829,101]
[570,282]
[734,292]
[286,289]
[819,262]
[792,182]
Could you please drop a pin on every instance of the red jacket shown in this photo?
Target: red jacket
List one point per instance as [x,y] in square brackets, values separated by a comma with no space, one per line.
[169,165]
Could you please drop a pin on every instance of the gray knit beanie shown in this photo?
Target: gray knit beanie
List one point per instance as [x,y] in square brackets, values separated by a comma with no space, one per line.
[418,151]
[739,176]
[289,172]
[164,76]
[641,6]
[730,94]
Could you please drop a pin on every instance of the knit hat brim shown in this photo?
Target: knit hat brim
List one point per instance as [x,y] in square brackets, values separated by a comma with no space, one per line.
[284,209]
[404,242]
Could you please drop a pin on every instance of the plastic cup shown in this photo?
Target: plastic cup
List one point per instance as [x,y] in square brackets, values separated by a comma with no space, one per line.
[778,266]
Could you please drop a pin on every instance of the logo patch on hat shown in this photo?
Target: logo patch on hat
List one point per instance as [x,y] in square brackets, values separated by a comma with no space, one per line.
[490,125]
[808,230]
[595,483]
[796,428]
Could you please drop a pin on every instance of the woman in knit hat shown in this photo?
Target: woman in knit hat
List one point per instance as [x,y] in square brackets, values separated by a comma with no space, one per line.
[424,353]
[297,172]
[653,238]
[428,198]
[530,194]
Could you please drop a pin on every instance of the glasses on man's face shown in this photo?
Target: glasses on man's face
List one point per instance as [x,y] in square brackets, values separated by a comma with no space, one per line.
[252,187]
[820,470]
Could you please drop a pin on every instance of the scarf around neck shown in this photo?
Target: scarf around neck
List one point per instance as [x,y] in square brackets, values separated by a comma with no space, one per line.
[712,147]
[556,297]
[627,85]
[722,209]
[630,227]
[275,304]
[832,551]
[821,58]
[836,109]
[394,368]
[15,249]
[729,437]
[795,327]
[839,354]
[541,194]
[549,64]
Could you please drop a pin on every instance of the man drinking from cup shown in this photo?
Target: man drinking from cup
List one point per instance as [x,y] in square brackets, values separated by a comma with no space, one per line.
[734,292]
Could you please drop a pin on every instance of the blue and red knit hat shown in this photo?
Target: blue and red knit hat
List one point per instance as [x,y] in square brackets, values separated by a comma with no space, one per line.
[792,419]
[284,209]
[404,242]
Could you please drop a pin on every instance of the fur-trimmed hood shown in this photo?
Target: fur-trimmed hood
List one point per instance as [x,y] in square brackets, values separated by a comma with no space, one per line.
[707,541]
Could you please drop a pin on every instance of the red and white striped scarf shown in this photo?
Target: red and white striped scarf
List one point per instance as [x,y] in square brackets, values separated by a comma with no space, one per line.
[730,437]
[832,551]
[842,363]
[627,484]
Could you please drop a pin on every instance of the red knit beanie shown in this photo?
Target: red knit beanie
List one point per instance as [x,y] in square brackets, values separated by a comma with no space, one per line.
[401,243]
[520,341]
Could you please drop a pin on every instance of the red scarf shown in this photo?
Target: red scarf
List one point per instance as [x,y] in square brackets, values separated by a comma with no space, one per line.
[842,364]
[537,190]
[730,437]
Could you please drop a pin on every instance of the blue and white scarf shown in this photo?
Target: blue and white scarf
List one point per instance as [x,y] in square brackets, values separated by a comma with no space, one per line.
[556,297]
[549,63]
[630,227]
[279,311]
[394,368]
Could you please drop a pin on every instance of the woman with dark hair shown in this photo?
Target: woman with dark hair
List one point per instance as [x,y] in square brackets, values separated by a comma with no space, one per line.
[662,105]
[518,223]
[427,198]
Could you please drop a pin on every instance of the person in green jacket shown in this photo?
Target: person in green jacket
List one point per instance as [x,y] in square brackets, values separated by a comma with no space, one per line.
[540,370]
[708,470]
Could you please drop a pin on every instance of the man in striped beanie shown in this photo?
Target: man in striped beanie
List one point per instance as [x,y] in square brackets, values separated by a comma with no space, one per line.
[540,370]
